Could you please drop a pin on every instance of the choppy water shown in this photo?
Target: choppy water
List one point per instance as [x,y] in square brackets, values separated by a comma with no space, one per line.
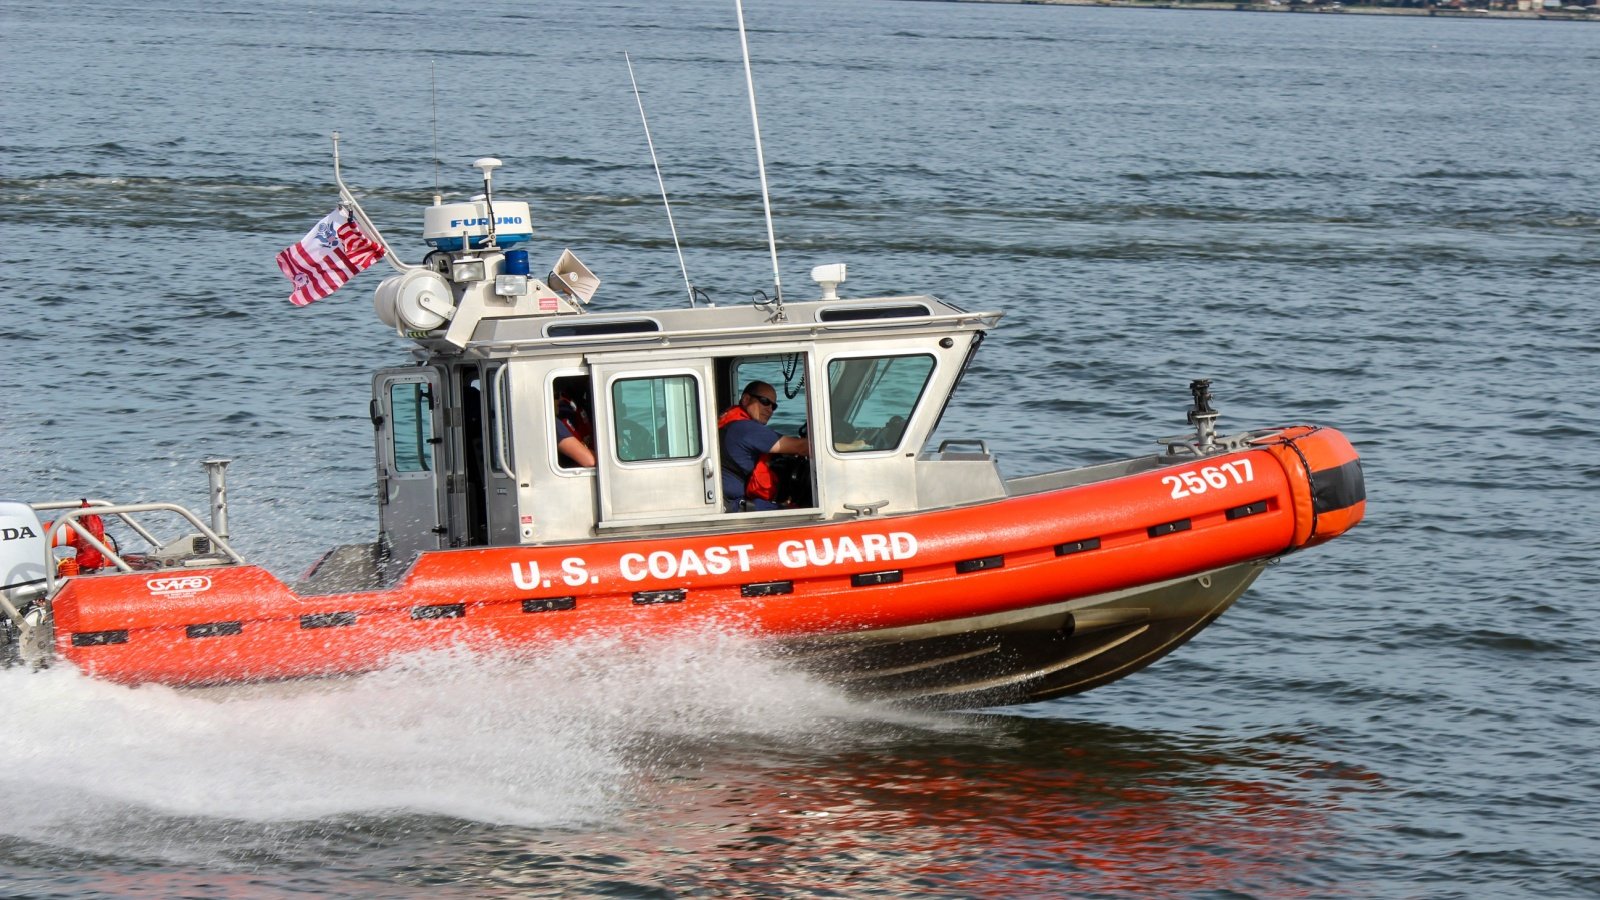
[1385,225]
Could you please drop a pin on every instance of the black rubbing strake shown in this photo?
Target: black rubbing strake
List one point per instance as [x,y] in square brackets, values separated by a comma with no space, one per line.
[549,604]
[867,579]
[1072,547]
[998,561]
[1166,528]
[99,638]
[441,611]
[328,620]
[766,589]
[1249,509]
[647,598]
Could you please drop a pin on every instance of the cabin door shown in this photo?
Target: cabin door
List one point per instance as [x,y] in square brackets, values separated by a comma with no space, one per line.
[655,426]
[408,413]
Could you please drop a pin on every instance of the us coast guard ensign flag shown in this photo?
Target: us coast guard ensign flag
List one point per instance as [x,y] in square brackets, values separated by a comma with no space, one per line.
[326,258]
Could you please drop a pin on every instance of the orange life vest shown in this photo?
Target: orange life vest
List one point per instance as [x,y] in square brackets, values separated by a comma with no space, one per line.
[575,418]
[758,483]
[89,558]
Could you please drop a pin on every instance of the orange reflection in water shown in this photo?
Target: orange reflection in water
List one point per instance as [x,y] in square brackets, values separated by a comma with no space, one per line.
[1009,807]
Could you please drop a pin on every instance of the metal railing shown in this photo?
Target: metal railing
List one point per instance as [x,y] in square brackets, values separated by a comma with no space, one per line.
[76,510]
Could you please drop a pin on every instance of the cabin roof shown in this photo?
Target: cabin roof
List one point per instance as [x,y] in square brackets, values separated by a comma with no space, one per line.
[743,323]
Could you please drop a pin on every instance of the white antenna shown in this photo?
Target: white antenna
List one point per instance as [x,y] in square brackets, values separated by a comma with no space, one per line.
[761,163]
[433,78]
[687,285]
[487,165]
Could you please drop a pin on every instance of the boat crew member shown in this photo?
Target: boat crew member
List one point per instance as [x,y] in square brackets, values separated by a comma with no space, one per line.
[747,448]
[572,435]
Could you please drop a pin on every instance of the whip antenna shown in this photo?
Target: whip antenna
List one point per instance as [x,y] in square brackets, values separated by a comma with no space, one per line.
[433,78]
[687,285]
[761,164]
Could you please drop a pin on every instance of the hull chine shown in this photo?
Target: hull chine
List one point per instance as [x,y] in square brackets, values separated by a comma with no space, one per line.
[1029,655]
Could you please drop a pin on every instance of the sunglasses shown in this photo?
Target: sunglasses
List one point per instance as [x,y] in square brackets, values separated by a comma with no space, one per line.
[769,404]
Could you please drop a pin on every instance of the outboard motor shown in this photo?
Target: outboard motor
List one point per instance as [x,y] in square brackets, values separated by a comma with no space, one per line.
[24,553]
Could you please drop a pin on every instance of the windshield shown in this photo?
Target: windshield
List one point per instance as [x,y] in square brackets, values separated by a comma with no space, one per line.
[872,399]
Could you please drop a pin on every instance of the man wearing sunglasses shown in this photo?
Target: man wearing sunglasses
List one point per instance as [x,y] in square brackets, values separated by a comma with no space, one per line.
[748,446]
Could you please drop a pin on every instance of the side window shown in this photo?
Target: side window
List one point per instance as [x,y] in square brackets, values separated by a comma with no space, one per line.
[656,418]
[872,399]
[410,410]
[573,415]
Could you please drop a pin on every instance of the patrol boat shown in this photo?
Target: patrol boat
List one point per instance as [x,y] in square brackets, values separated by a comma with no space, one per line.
[897,569]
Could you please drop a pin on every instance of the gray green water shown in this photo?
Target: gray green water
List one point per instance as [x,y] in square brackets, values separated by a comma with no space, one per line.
[1389,226]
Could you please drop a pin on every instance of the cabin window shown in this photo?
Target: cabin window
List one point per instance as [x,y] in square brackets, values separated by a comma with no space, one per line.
[411,415]
[872,399]
[589,329]
[656,418]
[573,410]
[862,313]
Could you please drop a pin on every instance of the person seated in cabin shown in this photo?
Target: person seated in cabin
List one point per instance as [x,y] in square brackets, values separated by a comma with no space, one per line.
[573,434]
[748,446]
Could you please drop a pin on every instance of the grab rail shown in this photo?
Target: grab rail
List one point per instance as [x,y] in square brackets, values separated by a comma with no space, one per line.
[982,445]
[502,435]
[76,511]
[76,504]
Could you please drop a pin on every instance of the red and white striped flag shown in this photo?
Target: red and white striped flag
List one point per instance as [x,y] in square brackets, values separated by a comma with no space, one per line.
[331,254]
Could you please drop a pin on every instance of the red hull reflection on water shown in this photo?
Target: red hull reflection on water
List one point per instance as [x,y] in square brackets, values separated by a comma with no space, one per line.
[1002,808]
[700,770]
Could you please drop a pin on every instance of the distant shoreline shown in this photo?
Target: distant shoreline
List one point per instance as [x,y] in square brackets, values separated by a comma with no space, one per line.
[1306,9]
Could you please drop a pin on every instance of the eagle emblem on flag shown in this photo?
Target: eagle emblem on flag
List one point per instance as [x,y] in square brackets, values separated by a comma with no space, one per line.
[328,256]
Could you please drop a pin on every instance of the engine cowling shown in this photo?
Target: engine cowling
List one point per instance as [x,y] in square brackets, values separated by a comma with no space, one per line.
[24,552]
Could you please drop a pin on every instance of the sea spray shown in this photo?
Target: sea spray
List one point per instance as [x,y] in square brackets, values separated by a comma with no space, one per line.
[558,737]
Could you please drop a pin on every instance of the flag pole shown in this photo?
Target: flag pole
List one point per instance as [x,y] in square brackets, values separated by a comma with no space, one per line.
[367,226]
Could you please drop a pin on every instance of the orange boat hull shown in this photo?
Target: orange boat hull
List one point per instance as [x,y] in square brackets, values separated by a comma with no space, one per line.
[1048,558]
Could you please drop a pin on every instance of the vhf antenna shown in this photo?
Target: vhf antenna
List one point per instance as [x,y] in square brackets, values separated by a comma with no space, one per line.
[761,165]
[687,285]
[433,78]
